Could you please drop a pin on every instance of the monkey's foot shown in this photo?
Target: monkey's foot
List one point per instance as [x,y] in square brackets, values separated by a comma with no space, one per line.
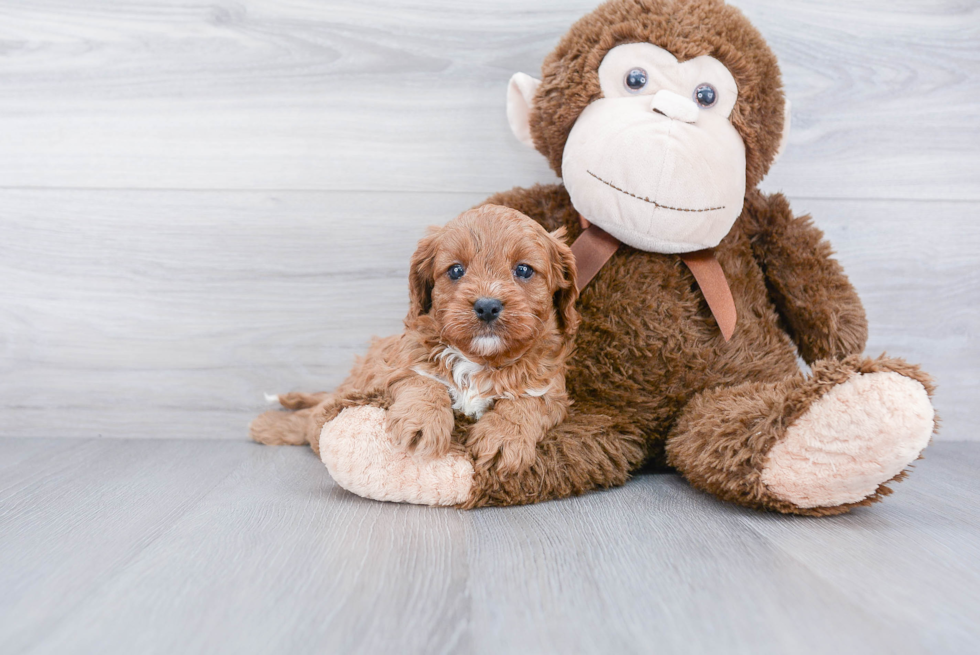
[859,435]
[358,452]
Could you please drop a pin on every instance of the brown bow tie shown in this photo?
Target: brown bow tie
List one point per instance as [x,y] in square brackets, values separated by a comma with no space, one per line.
[594,247]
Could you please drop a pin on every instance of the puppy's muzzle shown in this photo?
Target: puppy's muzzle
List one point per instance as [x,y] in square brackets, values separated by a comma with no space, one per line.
[488,309]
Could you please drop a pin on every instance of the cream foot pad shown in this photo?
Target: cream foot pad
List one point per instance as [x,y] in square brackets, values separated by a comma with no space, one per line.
[358,452]
[860,434]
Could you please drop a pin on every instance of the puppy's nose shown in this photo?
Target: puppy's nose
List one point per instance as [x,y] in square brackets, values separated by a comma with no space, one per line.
[488,309]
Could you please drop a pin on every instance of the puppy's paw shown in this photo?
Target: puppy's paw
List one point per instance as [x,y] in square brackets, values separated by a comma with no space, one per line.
[494,440]
[424,427]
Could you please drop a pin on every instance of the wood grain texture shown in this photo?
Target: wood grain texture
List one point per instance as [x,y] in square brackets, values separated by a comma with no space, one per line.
[889,545]
[157,311]
[124,546]
[74,516]
[169,314]
[388,95]
[204,201]
[623,571]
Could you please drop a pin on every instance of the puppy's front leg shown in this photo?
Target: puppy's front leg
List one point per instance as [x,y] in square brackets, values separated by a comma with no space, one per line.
[509,433]
[421,416]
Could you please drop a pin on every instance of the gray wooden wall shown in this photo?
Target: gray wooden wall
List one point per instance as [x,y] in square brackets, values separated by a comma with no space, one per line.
[204,201]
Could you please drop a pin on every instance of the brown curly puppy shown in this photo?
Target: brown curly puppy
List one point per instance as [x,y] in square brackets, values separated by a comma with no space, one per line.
[487,335]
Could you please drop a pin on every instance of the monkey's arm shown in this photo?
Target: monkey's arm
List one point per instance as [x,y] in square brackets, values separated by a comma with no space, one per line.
[821,308]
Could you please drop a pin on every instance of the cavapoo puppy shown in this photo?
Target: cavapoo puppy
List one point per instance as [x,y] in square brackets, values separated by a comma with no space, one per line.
[489,329]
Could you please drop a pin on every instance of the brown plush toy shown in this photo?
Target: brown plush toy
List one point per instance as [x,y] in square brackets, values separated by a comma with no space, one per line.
[662,117]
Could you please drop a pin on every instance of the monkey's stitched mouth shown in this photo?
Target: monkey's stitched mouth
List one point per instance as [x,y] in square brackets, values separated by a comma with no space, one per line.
[652,202]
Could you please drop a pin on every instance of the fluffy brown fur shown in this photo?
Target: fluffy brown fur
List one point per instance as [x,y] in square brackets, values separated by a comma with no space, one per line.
[508,374]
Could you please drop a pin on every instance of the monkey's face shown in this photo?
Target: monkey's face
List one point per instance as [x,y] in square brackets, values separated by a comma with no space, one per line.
[656,162]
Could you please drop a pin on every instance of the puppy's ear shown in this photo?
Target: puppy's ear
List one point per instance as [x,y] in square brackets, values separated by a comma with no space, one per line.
[421,276]
[564,271]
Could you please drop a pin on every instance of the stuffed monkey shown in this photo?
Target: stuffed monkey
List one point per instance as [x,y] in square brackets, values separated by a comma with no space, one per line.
[698,291]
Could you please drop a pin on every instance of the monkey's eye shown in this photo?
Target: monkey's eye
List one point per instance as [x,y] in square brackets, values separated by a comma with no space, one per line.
[455,271]
[705,95]
[636,79]
[523,271]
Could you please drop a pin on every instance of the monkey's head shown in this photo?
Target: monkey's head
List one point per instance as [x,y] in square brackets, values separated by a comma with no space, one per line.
[657,115]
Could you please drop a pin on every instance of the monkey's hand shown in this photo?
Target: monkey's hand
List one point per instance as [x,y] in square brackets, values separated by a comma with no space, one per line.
[421,418]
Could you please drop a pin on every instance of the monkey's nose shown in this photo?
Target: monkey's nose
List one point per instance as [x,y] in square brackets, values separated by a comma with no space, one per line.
[488,309]
[675,106]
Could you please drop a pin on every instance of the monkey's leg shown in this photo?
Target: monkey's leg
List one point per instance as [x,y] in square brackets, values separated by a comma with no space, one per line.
[817,446]
[581,454]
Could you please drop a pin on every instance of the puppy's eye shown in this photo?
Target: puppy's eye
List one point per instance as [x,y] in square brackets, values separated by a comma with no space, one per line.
[523,271]
[636,79]
[705,95]
[455,271]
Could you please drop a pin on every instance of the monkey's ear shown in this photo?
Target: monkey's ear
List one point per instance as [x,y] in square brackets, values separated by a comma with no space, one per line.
[520,98]
[421,276]
[784,139]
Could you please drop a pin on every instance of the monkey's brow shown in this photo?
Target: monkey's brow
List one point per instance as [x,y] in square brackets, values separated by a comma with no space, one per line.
[652,202]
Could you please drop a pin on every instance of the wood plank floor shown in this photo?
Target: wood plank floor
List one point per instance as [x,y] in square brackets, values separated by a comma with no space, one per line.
[164,546]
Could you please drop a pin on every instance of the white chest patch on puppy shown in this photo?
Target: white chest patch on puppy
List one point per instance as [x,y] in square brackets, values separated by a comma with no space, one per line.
[470,402]
[469,396]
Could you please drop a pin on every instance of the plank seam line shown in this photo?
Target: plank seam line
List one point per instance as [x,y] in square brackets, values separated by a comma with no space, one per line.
[433,192]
